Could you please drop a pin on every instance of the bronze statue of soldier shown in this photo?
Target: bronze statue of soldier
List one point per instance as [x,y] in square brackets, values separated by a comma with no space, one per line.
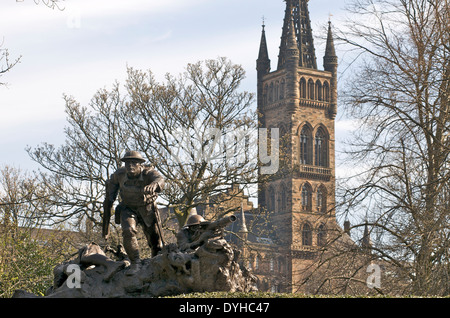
[197,231]
[191,235]
[138,186]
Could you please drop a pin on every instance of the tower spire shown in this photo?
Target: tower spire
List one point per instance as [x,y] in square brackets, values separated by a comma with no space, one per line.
[262,68]
[296,97]
[330,58]
[263,61]
[366,242]
[330,64]
[292,58]
[297,10]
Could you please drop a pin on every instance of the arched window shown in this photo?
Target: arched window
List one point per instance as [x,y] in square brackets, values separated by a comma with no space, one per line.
[311,89]
[306,234]
[278,202]
[321,148]
[283,203]
[282,89]
[326,92]
[322,235]
[318,90]
[305,146]
[321,199]
[271,199]
[302,88]
[277,90]
[306,197]
[280,264]
[266,94]
[271,93]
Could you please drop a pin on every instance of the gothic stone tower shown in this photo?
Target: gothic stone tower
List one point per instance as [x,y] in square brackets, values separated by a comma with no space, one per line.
[301,101]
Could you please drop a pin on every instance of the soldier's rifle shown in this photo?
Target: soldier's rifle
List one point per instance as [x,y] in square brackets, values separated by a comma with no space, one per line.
[150,199]
[107,207]
[215,228]
[221,223]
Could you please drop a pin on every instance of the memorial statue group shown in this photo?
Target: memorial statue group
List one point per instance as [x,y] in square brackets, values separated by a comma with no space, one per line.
[201,260]
[138,186]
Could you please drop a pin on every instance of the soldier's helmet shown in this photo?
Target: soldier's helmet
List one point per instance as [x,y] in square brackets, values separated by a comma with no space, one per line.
[132,155]
[194,220]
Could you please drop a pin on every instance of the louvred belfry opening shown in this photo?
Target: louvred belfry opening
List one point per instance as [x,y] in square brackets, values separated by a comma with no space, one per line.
[297,10]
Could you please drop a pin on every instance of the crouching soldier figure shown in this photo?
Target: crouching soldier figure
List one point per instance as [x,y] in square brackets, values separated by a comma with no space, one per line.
[138,186]
[197,231]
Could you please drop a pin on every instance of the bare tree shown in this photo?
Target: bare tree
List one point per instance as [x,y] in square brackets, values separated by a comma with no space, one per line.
[52,4]
[5,62]
[21,199]
[76,172]
[201,131]
[399,97]
[28,253]
[171,123]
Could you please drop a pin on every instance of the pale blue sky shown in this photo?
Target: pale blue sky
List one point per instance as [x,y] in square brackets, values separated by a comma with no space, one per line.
[88,45]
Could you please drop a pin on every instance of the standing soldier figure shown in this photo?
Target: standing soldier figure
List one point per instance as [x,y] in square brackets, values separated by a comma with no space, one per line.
[139,186]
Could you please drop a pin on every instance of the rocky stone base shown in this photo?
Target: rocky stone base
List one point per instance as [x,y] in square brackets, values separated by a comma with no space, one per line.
[211,267]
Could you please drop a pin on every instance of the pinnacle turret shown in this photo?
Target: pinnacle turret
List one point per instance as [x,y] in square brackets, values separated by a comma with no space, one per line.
[263,61]
[330,59]
[297,11]
[366,242]
[330,64]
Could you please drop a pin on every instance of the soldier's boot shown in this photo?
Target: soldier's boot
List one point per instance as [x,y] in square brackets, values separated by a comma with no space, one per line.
[134,269]
[154,241]
[156,249]
[112,269]
[131,246]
